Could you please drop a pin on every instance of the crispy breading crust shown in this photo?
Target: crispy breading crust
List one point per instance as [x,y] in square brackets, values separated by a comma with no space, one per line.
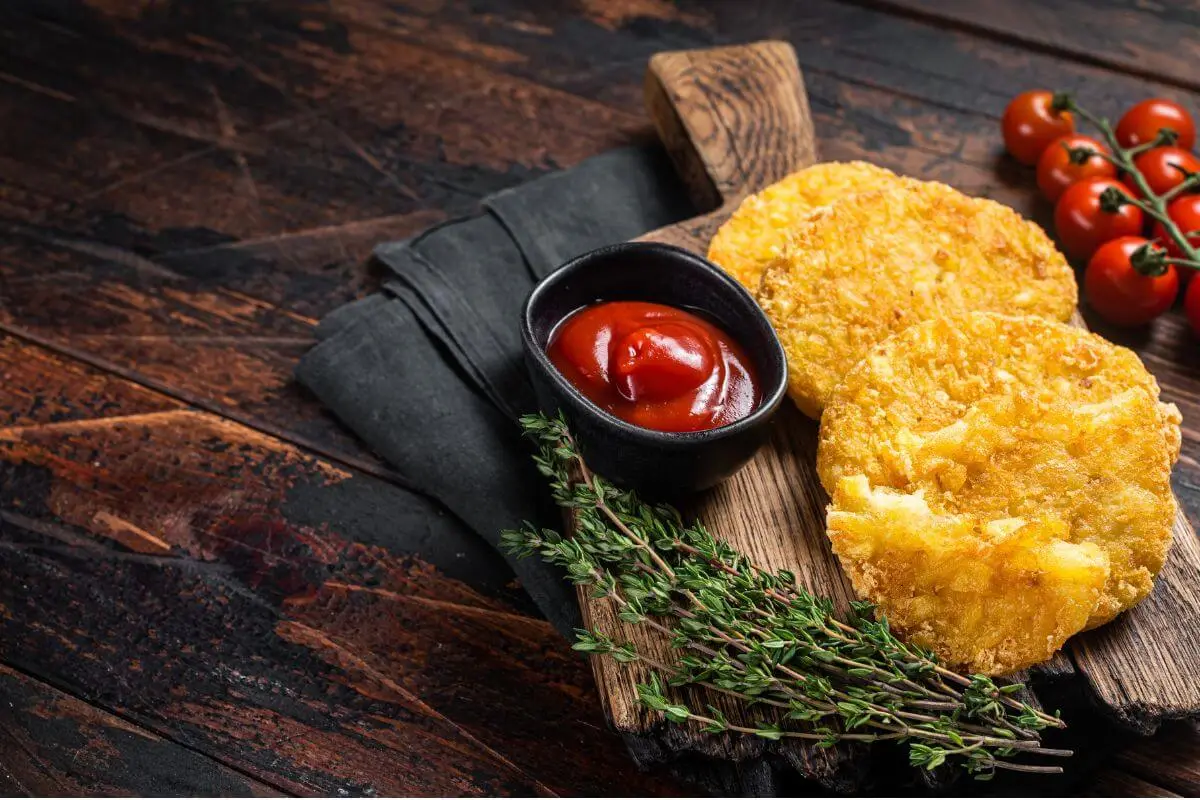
[755,234]
[874,263]
[992,599]
[998,424]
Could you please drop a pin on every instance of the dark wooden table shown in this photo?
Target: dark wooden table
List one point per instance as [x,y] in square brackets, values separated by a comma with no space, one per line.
[207,586]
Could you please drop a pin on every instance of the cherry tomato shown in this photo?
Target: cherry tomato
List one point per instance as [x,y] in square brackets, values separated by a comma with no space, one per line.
[1185,213]
[1083,224]
[1055,170]
[1142,123]
[1120,293]
[1162,168]
[1031,123]
[1191,306]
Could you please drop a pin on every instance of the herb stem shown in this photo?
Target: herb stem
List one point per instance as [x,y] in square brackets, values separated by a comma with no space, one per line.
[1152,204]
[840,630]
[759,637]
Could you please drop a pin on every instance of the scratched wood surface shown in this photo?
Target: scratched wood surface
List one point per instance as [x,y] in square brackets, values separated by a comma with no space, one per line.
[186,187]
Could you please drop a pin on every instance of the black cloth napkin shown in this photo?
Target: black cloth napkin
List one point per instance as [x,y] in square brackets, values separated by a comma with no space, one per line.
[428,371]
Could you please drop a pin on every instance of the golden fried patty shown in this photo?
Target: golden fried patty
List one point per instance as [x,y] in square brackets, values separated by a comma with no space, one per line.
[755,234]
[999,483]
[874,263]
[990,597]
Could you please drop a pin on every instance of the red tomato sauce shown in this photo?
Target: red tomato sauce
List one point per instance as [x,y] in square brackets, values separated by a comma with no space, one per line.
[655,366]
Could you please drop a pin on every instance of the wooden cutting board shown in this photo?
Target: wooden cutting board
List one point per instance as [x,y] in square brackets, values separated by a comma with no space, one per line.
[736,119]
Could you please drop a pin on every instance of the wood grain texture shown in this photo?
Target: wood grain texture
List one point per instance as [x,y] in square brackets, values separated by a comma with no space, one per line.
[242,598]
[718,110]
[1156,42]
[66,747]
[919,98]
[904,94]
[1170,760]
[184,202]
[1145,665]
[186,187]
[1114,783]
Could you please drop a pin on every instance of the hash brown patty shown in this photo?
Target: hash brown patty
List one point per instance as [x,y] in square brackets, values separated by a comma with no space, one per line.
[756,233]
[999,483]
[873,263]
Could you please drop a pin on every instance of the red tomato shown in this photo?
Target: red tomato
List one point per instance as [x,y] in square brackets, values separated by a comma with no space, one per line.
[1191,306]
[1120,293]
[1055,170]
[1084,223]
[1031,123]
[1185,213]
[1164,168]
[1142,123]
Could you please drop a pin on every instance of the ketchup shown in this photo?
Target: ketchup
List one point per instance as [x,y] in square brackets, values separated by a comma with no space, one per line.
[655,366]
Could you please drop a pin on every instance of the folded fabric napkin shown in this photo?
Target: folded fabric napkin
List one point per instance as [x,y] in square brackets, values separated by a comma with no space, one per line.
[429,371]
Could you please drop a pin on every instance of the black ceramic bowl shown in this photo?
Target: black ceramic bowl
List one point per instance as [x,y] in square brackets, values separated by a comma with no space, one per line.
[655,463]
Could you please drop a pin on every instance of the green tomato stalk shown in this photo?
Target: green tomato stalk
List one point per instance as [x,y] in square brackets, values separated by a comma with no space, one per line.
[1150,259]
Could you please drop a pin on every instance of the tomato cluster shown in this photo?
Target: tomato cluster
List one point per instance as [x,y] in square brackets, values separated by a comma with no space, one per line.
[1094,217]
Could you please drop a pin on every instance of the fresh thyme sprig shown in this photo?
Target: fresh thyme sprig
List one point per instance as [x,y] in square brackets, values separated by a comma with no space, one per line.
[761,637]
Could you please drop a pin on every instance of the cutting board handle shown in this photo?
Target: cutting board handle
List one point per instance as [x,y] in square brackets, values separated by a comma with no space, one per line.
[734,119]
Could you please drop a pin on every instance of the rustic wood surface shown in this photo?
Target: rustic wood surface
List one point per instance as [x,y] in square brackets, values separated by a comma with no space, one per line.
[205,584]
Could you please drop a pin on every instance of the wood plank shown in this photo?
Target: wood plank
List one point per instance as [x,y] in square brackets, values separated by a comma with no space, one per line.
[219,348]
[922,99]
[1157,42]
[54,744]
[1114,783]
[871,98]
[1171,759]
[918,137]
[817,19]
[368,139]
[378,124]
[1145,665]
[253,603]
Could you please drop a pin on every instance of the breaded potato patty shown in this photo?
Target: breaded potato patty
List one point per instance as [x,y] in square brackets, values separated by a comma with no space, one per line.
[755,234]
[993,597]
[874,263]
[965,441]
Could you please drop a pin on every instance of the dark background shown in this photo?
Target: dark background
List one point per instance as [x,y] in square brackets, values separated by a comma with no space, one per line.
[207,586]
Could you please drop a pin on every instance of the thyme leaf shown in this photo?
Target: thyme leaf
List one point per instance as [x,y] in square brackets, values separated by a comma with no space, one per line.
[761,638]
